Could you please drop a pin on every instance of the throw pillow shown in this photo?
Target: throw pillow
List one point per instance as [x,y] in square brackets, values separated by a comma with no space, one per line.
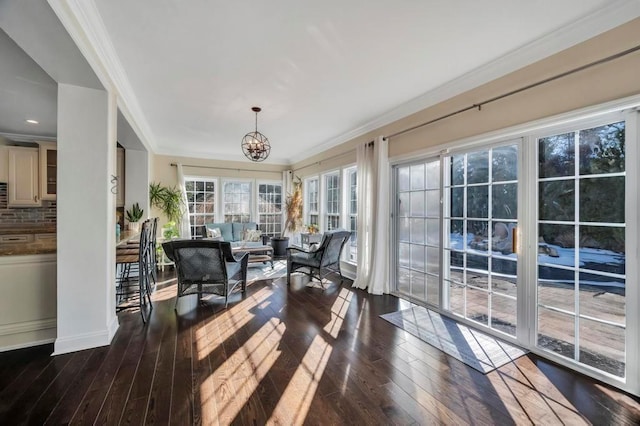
[214,233]
[253,235]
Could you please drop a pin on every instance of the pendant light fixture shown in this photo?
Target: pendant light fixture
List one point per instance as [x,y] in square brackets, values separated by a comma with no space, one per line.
[255,145]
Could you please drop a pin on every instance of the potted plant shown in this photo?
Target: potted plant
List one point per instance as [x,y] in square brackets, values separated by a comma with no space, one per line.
[293,221]
[168,200]
[134,214]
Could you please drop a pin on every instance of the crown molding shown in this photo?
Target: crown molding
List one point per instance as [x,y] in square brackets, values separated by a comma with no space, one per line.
[82,21]
[21,137]
[606,18]
[272,161]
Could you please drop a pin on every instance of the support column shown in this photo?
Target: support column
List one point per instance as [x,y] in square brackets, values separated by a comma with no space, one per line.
[86,218]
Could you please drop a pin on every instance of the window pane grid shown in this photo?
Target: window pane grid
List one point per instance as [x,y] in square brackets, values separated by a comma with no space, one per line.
[418,215]
[581,256]
[237,204]
[332,205]
[200,202]
[312,201]
[481,219]
[270,208]
[353,214]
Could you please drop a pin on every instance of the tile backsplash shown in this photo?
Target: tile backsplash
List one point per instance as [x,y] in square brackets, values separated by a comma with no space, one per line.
[44,215]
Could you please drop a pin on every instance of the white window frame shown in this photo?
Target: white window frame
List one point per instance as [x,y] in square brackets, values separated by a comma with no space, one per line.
[308,211]
[348,214]
[216,202]
[257,208]
[527,216]
[252,204]
[324,198]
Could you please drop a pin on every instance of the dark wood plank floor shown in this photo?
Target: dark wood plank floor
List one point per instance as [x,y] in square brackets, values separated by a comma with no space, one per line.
[288,356]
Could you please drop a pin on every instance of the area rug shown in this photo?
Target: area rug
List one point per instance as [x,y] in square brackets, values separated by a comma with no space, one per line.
[478,350]
[261,271]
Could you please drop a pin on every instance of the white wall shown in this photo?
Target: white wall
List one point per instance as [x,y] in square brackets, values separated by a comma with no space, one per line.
[86,218]
[136,173]
[137,179]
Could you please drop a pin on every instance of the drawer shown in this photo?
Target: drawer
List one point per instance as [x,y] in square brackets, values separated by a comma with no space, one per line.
[16,238]
[46,237]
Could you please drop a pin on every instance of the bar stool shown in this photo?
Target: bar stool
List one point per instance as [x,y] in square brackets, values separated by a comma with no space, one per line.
[134,290]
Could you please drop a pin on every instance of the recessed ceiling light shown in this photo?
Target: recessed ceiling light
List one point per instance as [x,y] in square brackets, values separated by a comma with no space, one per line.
[30,121]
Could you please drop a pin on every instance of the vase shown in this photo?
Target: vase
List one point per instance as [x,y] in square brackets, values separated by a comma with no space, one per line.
[134,226]
[279,245]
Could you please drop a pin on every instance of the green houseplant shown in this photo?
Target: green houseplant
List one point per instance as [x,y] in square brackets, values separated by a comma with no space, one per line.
[168,200]
[133,215]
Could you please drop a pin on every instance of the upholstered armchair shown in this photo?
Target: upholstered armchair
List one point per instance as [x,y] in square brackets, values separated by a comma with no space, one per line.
[320,260]
[205,266]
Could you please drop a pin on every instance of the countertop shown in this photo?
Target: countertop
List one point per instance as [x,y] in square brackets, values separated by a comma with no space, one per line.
[26,248]
[15,250]
[27,229]
[42,247]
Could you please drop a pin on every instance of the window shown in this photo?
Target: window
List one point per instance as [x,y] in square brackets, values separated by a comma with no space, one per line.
[418,231]
[528,238]
[582,248]
[332,199]
[201,202]
[237,201]
[312,202]
[331,202]
[352,212]
[270,208]
[480,218]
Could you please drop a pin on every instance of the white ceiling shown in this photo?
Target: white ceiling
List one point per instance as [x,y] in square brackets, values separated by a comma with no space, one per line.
[323,72]
[26,92]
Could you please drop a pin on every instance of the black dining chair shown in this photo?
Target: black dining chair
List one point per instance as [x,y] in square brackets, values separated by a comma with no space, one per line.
[205,266]
[321,260]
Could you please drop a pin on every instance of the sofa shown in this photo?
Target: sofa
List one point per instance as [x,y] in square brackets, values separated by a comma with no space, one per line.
[233,232]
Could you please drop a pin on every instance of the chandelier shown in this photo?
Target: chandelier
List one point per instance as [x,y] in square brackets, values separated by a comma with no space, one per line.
[255,145]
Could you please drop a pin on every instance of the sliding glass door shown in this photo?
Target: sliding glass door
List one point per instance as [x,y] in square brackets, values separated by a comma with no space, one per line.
[572,199]
[480,222]
[581,260]
[418,231]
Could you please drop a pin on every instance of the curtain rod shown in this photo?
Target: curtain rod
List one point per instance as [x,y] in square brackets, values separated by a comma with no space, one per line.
[342,154]
[522,89]
[227,168]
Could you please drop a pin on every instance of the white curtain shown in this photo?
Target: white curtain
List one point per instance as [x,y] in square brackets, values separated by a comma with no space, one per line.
[183,226]
[373,217]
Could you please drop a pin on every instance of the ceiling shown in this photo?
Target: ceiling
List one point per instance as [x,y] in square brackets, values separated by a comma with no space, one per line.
[26,92]
[323,72]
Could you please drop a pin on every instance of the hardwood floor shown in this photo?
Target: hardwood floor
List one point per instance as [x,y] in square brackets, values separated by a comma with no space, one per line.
[288,356]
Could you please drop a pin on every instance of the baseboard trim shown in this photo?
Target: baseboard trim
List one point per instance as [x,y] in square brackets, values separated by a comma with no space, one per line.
[113,328]
[79,342]
[27,344]
[27,326]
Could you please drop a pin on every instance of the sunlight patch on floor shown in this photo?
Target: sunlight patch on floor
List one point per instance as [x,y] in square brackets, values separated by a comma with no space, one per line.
[227,323]
[532,396]
[297,397]
[237,379]
[338,311]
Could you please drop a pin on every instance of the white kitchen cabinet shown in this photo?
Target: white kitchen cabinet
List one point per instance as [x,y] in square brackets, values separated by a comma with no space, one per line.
[48,170]
[23,179]
[4,164]
[121,177]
